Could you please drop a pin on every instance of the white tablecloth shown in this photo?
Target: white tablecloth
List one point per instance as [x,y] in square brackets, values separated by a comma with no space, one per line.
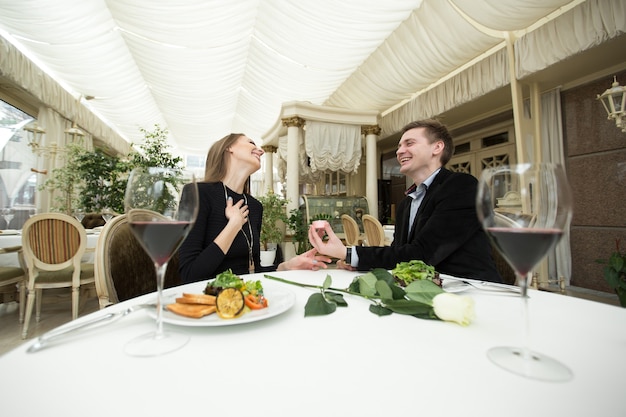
[9,240]
[350,363]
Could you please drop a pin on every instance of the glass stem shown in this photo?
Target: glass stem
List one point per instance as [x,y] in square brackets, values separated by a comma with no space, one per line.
[523,283]
[160,272]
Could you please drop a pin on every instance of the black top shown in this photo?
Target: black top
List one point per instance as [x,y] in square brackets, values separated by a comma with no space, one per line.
[446,234]
[200,257]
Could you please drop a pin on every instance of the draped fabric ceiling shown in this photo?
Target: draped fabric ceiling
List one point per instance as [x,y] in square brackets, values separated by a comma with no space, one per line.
[207,68]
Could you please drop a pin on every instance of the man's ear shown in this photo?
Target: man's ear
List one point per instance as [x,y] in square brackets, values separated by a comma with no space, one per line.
[438,147]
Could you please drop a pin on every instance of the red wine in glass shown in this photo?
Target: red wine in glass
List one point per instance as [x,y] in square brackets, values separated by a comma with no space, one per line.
[162,206]
[160,239]
[524,209]
[524,247]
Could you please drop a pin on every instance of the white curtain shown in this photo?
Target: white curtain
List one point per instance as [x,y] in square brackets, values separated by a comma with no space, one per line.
[587,25]
[560,260]
[306,174]
[333,147]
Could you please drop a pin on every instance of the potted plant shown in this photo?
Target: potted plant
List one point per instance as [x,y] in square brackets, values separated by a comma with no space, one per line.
[272,225]
[93,181]
[615,272]
[297,223]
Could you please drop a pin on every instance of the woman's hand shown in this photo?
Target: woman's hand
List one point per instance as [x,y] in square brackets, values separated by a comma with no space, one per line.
[307,260]
[237,213]
[333,246]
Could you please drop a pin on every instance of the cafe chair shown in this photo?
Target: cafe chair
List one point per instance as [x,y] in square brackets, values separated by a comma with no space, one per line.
[351,230]
[123,269]
[374,233]
[53,246]
[13,278]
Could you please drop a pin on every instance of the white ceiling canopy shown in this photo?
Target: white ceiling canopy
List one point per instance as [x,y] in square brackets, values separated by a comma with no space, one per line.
[204,68]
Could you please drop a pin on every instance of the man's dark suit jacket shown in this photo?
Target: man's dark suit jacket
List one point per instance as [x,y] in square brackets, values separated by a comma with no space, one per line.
[446,232]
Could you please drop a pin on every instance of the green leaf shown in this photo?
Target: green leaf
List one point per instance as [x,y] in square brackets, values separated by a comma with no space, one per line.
[367,285]
[327,282]
[382,274]
[336,298]
[383,289]
[317,305]
[380,310]
[410,307]
[423,291]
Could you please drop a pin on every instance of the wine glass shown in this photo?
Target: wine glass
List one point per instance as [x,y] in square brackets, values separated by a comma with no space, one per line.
[525,209]
[107,214]
[79,214]
[8,215]
[161,205]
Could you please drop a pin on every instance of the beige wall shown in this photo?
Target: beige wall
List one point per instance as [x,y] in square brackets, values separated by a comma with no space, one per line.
[595,151]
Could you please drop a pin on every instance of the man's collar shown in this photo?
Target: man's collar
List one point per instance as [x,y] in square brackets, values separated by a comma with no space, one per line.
[426,183]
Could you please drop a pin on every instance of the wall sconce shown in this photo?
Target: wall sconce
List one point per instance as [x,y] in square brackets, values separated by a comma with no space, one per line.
[614,102]
[35,134]
[74,132]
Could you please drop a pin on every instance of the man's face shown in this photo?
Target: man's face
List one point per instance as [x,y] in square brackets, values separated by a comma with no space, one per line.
[415,152]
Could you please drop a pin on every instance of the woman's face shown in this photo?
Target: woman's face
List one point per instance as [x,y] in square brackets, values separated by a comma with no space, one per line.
[245,153]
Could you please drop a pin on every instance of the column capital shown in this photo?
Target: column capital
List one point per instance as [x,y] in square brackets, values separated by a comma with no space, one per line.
[370,130]
[293,121]
[269,148]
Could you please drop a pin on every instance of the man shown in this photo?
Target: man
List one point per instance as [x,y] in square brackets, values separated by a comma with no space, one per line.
[436,222]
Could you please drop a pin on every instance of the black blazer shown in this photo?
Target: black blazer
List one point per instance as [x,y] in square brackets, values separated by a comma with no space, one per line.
[447,233]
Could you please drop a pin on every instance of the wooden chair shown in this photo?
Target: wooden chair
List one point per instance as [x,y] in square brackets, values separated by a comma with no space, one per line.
[351,230]
[374,232]
[53,245]
[14,278]
[123,269]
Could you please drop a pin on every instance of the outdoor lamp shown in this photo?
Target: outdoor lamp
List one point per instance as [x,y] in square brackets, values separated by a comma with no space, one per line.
[614,102]
[35,134]
[74,132]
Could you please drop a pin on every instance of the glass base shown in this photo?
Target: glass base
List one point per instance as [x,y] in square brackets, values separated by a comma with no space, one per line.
[150,344]
[537,366]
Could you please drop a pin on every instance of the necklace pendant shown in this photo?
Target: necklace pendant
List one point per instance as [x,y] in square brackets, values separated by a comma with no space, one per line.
[251,267]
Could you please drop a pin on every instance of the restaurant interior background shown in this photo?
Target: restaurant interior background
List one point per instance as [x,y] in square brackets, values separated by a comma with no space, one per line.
[594,148]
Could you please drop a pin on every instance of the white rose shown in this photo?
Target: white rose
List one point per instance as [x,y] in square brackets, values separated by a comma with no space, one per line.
[454,307]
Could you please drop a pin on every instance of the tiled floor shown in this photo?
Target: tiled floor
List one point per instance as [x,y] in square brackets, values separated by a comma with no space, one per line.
[56,310]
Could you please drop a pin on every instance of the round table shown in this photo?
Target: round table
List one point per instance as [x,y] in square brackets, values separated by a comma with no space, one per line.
[349,363]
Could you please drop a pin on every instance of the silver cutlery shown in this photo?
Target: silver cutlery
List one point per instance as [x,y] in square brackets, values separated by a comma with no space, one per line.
[72,329]
[461,284]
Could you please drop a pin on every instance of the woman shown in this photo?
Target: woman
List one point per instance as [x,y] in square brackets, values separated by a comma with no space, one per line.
[227,230]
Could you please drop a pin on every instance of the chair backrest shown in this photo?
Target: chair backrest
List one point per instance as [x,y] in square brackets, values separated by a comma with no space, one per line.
[374,232]
[53,241]
[123,269]
[351,230]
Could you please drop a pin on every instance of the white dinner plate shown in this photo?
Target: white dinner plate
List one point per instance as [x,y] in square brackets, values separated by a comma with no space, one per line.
[279,300]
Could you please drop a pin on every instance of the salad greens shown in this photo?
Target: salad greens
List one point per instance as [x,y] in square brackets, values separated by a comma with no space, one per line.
[407,272]
[228,279]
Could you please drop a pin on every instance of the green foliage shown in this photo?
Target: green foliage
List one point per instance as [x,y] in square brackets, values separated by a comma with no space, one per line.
[380,288]
[274,211]
[66,182]
[94,180]
[615,272]
[297,223]
[155,150]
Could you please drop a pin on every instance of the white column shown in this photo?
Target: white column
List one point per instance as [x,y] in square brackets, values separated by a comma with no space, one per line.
[371,174]
[294,124]
[268,181]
